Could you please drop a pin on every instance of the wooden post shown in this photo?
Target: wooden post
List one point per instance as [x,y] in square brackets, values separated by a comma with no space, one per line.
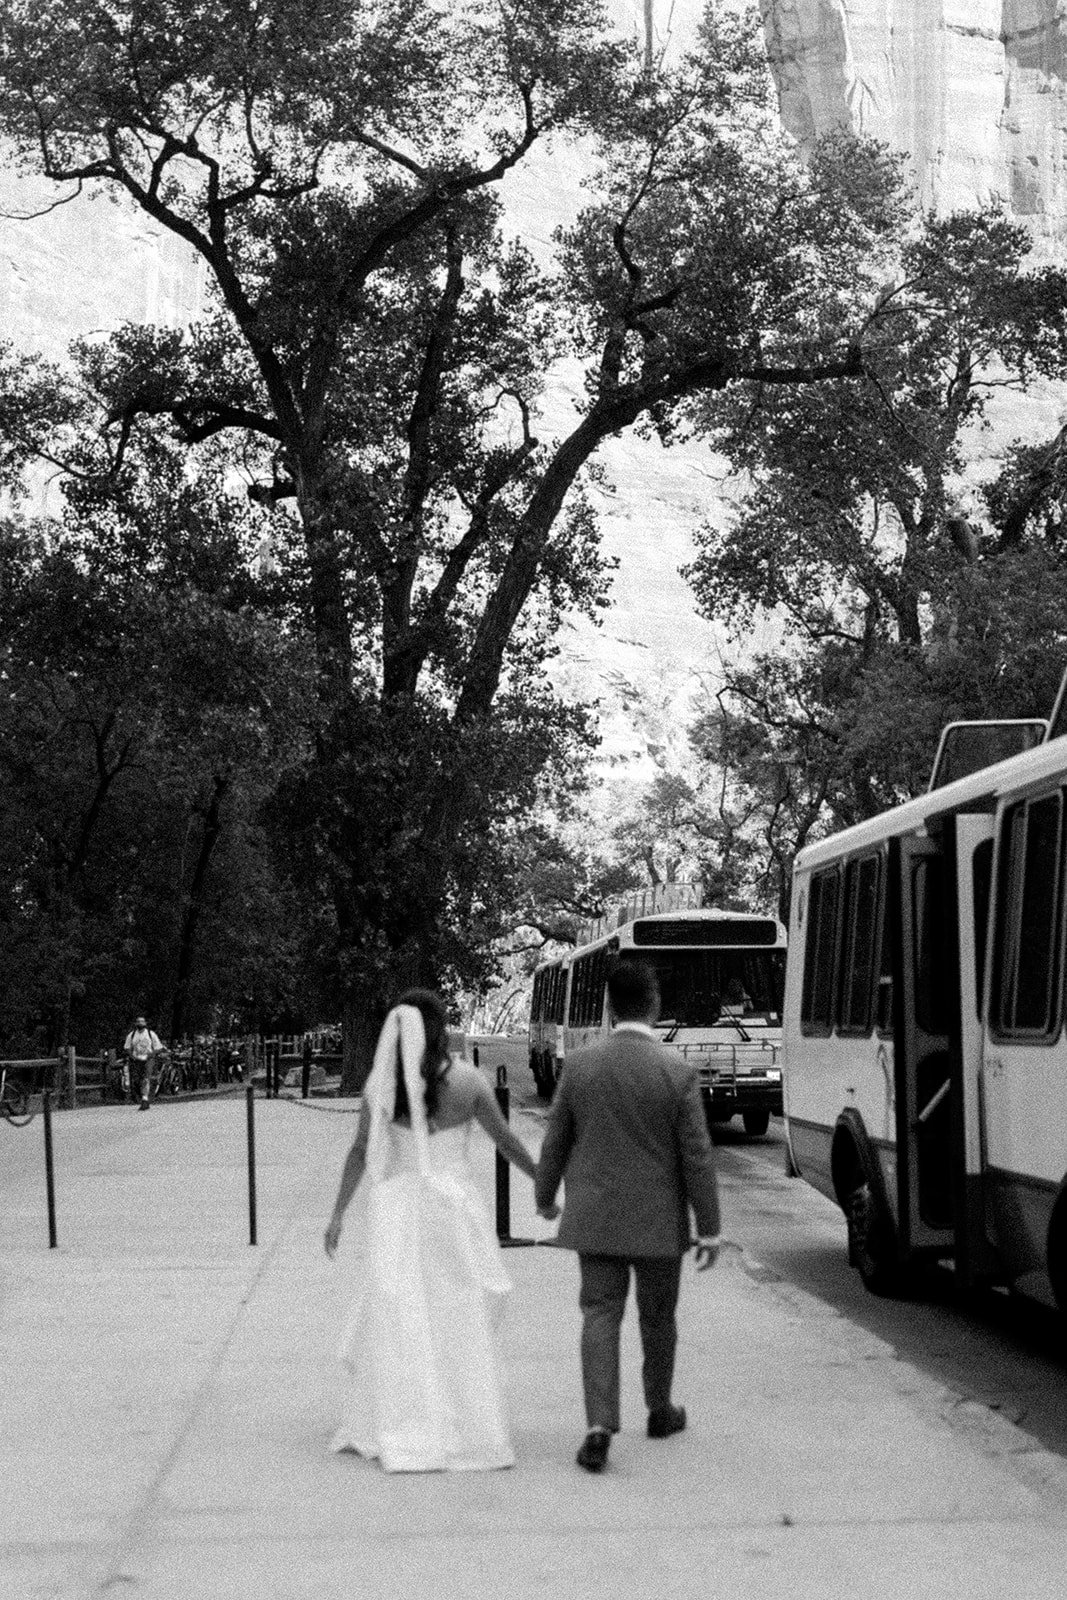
[72,1077]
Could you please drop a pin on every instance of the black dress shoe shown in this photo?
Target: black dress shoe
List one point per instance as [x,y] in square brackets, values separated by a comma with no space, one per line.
[593,1452]
[665,1421]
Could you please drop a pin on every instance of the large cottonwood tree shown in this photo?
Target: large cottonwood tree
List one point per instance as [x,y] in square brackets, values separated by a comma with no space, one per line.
[379,343]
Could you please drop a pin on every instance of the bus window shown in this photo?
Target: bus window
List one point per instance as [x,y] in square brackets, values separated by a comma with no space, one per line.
[1027,958]
[598,971]
[816,1010]
[1038,919]
[587,989]
[981,888]
[578,987]
[693,983]
[883,1006]
[859,944]
[1012,840]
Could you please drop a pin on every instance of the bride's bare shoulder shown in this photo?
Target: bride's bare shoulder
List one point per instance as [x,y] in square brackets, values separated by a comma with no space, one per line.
[461,1081]
[462,1074]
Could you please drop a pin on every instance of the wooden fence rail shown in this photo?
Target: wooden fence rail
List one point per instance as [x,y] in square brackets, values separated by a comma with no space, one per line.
[66,1074]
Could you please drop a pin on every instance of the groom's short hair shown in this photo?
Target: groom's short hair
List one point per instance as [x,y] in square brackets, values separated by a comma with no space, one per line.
[633,990]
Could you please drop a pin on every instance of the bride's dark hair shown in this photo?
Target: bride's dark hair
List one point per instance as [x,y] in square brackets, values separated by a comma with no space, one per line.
[435,1061]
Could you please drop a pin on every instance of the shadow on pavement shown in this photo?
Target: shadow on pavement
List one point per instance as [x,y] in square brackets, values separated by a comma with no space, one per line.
[998,1348]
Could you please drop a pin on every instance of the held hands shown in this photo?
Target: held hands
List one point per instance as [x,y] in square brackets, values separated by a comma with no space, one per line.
[333,1234]
[550,1213]
[707,1253]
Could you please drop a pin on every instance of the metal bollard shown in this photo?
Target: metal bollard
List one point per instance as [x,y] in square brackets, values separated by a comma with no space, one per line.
[503,1173]
[305,1073]
[49,1168]
[250,1104]
[503,1170]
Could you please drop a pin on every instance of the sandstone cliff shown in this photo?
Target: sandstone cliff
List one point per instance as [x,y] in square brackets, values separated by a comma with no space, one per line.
[974,90]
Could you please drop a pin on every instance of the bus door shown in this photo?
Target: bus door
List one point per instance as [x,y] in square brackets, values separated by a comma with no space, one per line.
[975,1258]
[1024,1070]
[926,1039]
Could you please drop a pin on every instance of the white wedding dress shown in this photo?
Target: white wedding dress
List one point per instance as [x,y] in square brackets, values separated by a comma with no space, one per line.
[423,1390]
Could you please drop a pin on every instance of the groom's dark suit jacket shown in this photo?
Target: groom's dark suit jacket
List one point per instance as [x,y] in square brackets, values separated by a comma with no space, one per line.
[628,1135]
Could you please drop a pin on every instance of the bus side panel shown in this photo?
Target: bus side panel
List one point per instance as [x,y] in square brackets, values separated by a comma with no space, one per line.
[809,1093]
[1022,1208]
[823,1076]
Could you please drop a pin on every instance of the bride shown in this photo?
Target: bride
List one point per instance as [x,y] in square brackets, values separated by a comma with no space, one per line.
[424,1389]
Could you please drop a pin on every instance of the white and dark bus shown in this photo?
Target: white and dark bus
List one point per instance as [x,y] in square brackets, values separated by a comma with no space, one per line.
[721,977]
[924,1040]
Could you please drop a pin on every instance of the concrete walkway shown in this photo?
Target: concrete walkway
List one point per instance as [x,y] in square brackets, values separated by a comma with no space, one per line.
[168,1394]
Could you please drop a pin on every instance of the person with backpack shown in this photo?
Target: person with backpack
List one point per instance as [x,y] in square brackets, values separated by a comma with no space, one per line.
[140,1050]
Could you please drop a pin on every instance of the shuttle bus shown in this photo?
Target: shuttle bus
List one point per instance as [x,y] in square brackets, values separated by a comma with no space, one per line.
[925,1057]
[721,977]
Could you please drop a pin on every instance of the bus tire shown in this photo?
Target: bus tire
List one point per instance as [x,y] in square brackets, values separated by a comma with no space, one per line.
[544,1077]
[1056,1252]
[756,1122]
[871,1230]
[870,1244]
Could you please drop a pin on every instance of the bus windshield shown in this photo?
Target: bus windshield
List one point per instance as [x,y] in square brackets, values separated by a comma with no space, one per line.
[695,985]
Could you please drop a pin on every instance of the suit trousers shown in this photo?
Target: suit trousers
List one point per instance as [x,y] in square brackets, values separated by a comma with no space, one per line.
[605,1283]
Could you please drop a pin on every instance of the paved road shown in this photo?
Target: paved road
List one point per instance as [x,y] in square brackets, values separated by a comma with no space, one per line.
[166,1396]
[1003,1351]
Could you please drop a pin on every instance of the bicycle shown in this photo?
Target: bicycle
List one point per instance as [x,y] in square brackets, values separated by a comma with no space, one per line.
[15,1103]
[168,1080]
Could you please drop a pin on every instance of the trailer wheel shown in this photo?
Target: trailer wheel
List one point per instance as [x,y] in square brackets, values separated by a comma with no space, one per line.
[756,1122]
[870,1244]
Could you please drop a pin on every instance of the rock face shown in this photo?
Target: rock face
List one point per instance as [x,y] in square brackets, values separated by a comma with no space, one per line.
[974,90]
[83,266]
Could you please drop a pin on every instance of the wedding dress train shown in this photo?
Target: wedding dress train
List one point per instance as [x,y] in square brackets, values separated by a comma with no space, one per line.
[423,1382]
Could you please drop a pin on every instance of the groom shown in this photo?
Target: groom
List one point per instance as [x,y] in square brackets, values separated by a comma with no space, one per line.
[627,1132]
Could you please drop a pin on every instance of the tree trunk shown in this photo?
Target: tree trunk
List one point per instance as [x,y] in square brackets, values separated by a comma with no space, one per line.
[361,1020]
[193,907]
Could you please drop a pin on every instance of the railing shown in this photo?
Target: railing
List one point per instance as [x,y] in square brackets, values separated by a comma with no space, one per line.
[744,1054]
[74,1079]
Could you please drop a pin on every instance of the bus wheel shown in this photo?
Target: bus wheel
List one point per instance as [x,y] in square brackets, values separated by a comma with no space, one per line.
[543,1077]
[870,1244]
[1057,1253]
[756,1122]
